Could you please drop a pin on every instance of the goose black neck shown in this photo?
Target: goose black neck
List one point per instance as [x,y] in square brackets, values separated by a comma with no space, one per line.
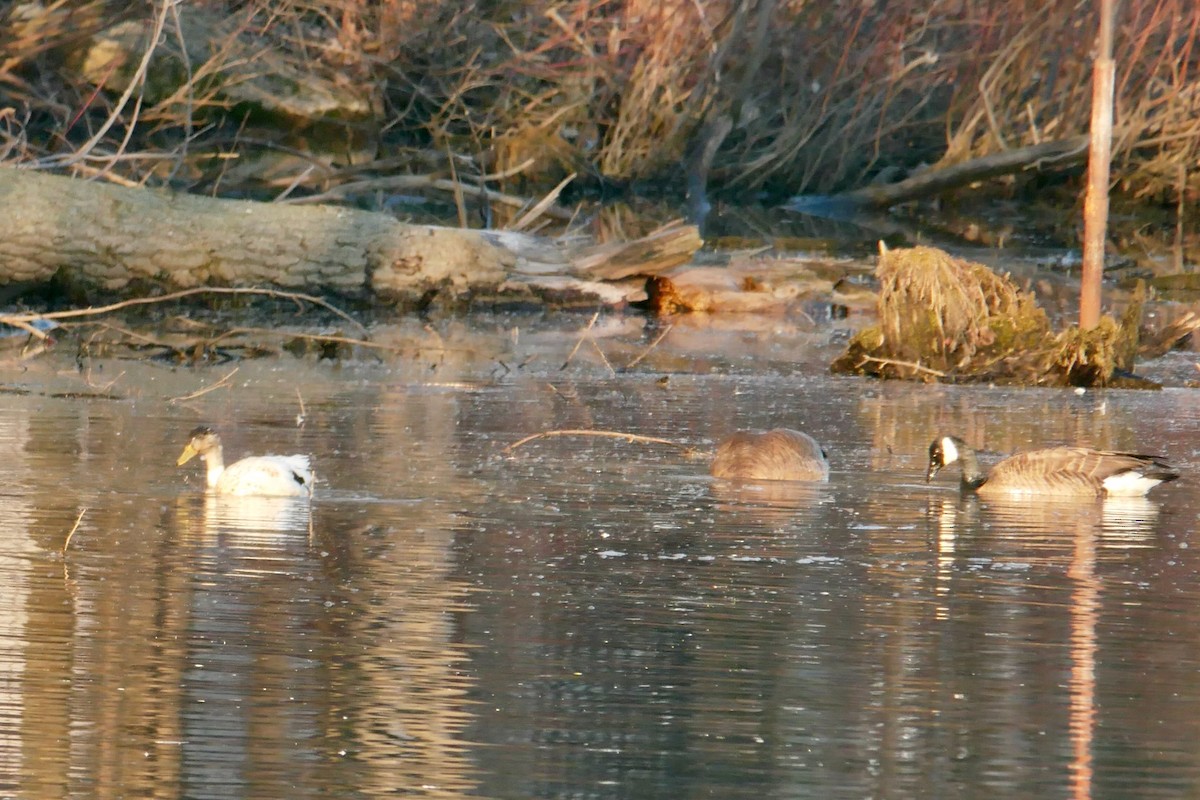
[972,476]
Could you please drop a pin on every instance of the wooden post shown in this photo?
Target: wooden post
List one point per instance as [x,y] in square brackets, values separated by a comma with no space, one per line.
[1095,205]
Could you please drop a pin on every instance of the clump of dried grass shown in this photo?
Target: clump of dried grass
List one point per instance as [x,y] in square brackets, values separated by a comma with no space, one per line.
[949,314]
[1087,358]
[943,318]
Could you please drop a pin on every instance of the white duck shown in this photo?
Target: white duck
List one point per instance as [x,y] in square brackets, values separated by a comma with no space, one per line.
[263,476]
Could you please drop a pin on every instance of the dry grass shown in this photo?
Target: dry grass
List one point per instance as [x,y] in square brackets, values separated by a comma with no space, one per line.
[515,96]
[952,315]
[1036,86]
[952,309]
[945,319]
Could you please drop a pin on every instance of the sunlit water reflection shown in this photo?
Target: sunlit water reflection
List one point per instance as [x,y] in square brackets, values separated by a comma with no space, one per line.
[587,617]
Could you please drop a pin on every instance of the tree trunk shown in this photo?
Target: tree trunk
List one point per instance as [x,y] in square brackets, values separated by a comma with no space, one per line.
[103,238]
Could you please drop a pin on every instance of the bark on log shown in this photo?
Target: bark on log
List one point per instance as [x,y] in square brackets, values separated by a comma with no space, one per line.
[109,239]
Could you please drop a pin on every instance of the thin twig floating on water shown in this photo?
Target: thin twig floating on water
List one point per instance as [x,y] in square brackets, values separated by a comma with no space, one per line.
[17,319]
[653,345]
[222,382]
[74,528]
[629,437]
[579,343]
[87,378]
[603,357]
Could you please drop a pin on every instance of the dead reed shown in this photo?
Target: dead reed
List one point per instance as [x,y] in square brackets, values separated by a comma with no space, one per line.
[513,97]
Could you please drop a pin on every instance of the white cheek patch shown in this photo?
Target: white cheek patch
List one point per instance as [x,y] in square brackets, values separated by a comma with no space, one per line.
[1129,484]
[949,451]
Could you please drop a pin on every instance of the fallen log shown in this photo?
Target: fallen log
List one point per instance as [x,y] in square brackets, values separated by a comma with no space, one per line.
[935,180]
[101,239]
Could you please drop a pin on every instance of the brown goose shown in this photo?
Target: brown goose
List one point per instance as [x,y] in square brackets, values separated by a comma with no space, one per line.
[1071,471]
[775,455]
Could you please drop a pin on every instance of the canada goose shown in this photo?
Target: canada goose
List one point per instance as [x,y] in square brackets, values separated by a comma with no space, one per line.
[1074,471]
[775,455]
[266,476]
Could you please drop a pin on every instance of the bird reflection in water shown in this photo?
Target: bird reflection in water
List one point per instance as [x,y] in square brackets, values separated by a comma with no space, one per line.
[788,495]
[253,521]
[1044,521]
[1067,532]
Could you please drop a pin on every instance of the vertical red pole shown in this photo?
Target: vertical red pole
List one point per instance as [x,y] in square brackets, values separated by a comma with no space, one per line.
[1095,204]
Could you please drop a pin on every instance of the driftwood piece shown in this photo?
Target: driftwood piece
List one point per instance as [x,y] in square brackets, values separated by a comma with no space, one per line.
[938,179]
[104,238]
[656,252]
[749,286]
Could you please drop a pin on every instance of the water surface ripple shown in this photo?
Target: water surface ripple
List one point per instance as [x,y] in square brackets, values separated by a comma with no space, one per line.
[588,617]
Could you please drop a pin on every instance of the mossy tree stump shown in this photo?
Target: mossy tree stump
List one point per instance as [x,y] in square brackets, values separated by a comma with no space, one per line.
[946,319]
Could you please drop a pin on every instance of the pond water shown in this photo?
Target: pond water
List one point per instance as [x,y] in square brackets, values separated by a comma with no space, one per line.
[583,617]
